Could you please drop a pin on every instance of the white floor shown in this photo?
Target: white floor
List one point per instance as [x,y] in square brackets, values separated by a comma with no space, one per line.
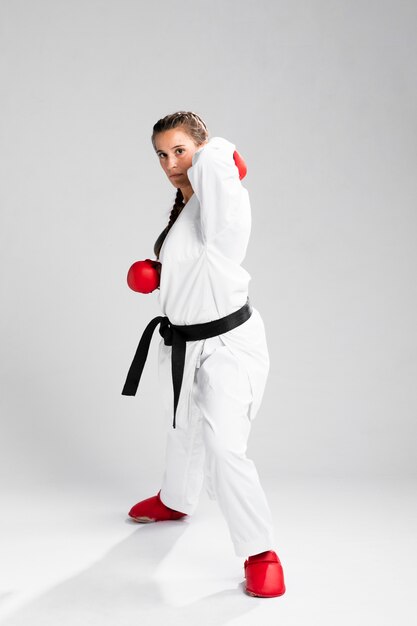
[348,549]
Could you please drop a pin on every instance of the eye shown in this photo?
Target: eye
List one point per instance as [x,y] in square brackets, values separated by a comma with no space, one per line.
[162,154]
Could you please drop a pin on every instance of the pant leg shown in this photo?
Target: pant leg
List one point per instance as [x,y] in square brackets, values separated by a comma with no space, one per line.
[185,453]
[184,465]
[223,395]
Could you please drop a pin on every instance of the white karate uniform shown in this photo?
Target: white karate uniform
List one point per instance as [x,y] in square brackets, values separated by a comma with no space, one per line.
[224,376]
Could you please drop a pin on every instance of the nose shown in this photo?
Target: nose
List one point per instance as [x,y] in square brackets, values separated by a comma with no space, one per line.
[171,164]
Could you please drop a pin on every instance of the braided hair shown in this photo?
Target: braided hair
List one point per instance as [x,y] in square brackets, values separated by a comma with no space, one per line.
[195,127]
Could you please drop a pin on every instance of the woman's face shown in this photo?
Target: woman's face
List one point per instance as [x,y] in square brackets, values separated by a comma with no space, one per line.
[175,150]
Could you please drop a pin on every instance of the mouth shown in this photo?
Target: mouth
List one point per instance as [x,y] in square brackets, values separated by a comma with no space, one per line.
[175,175]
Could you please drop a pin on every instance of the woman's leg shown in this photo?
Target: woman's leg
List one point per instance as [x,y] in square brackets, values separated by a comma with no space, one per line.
[184,457]
[223,395]
[184,464]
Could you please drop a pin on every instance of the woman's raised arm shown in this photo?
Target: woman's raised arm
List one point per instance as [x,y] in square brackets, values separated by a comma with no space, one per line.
[214,178]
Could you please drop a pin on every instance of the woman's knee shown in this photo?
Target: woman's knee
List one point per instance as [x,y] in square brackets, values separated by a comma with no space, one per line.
[222,444]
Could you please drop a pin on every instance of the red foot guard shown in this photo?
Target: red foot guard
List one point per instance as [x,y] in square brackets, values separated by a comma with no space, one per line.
[264,575]
[153,510]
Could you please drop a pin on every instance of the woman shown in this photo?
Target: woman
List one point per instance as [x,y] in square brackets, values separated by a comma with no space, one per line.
[213,358]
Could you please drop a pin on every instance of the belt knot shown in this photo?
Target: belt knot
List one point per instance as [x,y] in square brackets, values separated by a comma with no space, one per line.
[166,332]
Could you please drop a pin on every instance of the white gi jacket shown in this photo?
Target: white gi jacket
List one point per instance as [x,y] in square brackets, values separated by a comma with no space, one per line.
[201,274]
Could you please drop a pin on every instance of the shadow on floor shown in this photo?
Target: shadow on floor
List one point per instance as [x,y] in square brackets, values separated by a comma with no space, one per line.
[120,590]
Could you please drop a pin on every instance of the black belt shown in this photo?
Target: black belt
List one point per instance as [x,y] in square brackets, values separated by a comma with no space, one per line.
[176,336]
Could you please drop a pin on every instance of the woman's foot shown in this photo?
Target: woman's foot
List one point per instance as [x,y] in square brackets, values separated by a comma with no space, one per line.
[153,510]
[264,575]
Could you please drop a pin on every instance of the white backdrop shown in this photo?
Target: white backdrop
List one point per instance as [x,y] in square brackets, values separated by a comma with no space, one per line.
[320,99]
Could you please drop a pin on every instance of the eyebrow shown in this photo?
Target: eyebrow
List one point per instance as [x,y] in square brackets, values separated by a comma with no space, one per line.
[181,145]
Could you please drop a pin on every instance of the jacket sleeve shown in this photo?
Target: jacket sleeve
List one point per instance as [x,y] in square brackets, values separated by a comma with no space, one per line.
[214,178]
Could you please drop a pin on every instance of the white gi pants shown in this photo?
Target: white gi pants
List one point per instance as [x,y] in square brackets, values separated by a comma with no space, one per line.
[213,446]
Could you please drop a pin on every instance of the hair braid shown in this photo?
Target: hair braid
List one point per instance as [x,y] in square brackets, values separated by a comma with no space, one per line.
[175,211]
[195,127]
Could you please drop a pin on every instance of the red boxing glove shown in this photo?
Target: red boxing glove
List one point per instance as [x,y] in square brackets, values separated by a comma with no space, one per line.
[144,276]
[240,164]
